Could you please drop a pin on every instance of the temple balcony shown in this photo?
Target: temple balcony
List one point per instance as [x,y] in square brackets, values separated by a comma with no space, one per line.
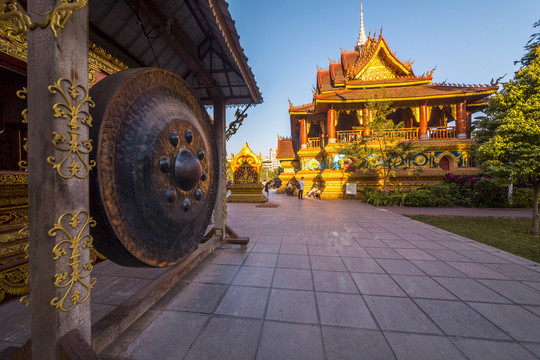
[403,134]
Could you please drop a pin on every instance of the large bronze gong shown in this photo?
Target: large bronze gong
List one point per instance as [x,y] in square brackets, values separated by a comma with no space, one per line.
[155,186]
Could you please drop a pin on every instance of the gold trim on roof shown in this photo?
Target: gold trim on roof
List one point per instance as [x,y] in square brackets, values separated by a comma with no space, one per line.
[407,98]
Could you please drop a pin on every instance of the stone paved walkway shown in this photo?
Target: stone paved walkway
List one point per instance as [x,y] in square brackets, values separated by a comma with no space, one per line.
[329,279]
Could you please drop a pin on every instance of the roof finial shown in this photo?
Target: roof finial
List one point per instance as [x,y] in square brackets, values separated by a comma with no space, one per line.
[362,35]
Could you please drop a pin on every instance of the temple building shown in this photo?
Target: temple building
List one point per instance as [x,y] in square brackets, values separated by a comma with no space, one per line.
[436,117]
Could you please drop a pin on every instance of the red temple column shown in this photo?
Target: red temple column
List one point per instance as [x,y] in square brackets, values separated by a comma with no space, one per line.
[303,134]
[469,124]
[423,122]
[461,120]
[331,125]
[365,120]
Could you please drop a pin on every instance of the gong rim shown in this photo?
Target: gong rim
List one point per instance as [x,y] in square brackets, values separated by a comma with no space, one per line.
[146,200]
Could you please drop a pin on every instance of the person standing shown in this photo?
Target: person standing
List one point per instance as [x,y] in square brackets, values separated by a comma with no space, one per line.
[266,188]
[300,185]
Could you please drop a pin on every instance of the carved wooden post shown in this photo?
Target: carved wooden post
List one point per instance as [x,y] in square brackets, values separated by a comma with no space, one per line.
[60,278]
[219,133]
[331,120]
[423,122]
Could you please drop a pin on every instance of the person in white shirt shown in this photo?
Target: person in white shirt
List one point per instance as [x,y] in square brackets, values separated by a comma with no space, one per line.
[300,185]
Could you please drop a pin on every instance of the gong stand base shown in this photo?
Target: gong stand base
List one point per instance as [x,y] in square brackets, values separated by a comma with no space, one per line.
[231,237]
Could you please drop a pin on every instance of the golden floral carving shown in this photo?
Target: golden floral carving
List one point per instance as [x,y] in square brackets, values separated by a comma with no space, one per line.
[77,290]
[22,94]
[75,96]
[18,21]
[15,17]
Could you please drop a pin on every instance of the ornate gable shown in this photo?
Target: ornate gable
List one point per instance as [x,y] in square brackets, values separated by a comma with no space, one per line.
[377,62]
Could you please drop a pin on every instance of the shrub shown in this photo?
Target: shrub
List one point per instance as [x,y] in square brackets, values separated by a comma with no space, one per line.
[436,189]
[487,193]
[377,198]
[522,197]
[421,198]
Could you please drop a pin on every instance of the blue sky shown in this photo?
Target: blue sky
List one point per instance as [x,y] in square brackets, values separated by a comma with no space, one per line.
[469,41]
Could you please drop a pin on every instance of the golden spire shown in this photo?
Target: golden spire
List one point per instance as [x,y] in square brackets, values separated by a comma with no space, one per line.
[362,35]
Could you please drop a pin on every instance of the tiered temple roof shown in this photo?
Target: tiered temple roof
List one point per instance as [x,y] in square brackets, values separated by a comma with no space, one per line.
[373,71]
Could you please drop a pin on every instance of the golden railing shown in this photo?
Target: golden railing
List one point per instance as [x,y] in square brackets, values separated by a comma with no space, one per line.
[398,134]
[442,132]
[438,132]
[348,135]
[313,142]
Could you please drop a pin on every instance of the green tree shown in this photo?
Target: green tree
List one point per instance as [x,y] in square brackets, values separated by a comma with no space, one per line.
[386,149]
[509,136]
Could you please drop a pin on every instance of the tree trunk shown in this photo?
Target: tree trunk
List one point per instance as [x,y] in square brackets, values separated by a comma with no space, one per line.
[536,214]
[385,181]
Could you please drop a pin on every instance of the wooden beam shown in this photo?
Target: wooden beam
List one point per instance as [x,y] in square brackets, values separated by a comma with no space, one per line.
[177,39]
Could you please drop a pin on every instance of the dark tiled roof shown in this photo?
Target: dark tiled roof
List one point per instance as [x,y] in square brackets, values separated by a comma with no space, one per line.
[410,92]
[285,149]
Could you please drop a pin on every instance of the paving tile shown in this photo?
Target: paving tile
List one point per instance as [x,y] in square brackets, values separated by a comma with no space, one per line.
[399,267]
[334,281]
[426,244]
[513,319]
[437,268]
[455,318]
[352,251]
[516,272]
[260,259]
[227,338]
[362,265]
[254,276]
[533,284]
[415,254]
[288,239]
[370,243]
[168,336]
[493,350]
[422,347]
[447,255]
[344,241]
[457,245]
[422,287]
[217,274]
[470,290]
[292,305]
[322,250]
[297,249]
[344,310]
[400,314]
[399,244]
[290,341]
[482,256]
[377,284]
[197,297]
[533,348]
[515,291]
[293,261]
[293,279]
[269,239]
[383,253]
[332,263]
[343,344]
[244,301]
[266,248]
[477,271]
[228,257]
